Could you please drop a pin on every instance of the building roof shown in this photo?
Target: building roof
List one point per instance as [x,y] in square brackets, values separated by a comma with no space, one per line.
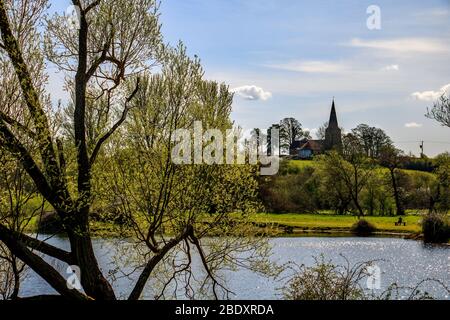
[313,145]
[298,144]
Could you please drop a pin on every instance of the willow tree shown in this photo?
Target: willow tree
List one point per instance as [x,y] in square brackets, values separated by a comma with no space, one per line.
[115,40]
[107,60]
[171,206]
[17,191]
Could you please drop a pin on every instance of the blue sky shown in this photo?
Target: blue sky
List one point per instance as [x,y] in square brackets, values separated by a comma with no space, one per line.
[291,57]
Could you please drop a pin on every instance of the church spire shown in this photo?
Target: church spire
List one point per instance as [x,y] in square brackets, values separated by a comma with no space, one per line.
[333,117]
[333,134]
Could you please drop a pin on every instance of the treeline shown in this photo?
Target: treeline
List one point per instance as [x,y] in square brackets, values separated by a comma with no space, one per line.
[369,177]
[308,189]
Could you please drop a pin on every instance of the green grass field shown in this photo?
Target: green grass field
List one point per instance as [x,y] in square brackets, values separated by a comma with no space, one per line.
[328,221]
[301,164]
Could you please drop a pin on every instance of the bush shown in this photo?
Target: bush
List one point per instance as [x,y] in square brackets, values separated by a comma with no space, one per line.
[363,228]
[327,281]
[435,228]
[291,193]
[419,164]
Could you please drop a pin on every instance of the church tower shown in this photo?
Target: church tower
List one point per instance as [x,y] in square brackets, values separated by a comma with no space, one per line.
[333,134]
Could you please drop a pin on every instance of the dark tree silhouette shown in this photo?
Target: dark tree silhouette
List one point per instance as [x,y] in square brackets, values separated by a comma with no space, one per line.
[441,111]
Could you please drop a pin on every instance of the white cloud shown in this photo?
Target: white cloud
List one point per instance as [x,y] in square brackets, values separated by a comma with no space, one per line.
[252,93]
[392,67]
[432,95]
[416,45]
[413,125]
[311,66]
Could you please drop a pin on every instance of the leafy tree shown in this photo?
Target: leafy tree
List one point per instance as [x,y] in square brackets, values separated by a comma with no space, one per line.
[371,139]
[334,193]
[293,190]
[354,171]
[290,132]
[19,205]
[351,145]
[161,198]
[106,63]
[392,159]
[441,201]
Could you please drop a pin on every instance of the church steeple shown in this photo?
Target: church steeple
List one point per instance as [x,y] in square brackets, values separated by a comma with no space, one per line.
[333,117]
[333,134]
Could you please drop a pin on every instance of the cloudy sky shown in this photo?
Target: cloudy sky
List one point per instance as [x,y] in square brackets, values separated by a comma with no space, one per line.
[290,58]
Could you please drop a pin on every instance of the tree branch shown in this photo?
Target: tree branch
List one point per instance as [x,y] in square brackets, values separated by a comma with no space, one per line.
[31,97]
[216,283]
[43,298]
[42,268]
[38,245]
[77,3]
[13,145]
[153,262]
[99,60]
[7,119]
[79,119]
[92,6]
[116,126]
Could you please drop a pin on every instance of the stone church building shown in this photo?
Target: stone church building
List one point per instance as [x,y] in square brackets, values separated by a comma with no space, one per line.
[307,149]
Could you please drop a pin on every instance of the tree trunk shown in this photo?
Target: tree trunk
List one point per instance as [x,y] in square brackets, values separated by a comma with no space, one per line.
[16,273]
[358,206]
[356,193]
[92,279]
[398,204]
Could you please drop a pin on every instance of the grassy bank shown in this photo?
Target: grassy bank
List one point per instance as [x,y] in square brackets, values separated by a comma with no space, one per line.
[278,224]
[329,222]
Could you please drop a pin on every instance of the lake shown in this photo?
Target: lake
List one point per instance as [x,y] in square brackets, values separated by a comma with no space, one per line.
[405,262]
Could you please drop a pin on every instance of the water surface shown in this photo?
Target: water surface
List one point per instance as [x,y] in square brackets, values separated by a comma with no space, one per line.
[405,262]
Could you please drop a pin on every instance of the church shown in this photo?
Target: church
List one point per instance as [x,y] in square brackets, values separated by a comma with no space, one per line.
[307,149]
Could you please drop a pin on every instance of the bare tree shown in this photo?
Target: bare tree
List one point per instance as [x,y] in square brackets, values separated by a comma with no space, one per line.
[441,111]
[321,131]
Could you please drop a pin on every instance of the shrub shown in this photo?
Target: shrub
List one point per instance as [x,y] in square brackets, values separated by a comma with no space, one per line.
[326,281]
[435,228]
[419,164]
[363,228]
[291,193]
